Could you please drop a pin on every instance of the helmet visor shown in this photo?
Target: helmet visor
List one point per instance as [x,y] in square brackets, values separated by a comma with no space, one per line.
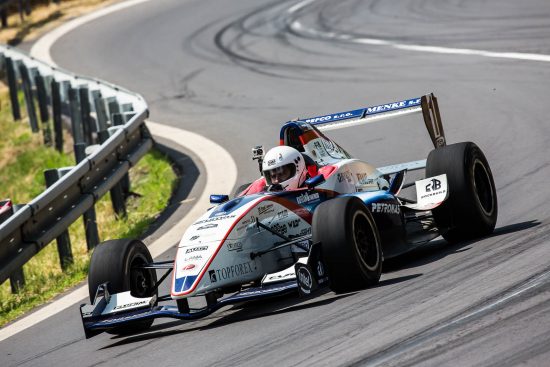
[279,175]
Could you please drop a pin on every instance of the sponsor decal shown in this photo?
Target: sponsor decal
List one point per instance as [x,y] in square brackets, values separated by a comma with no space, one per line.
[393,106]
[434,185]
[128,305]
[208,226]
[280,276]
[307,197]
[294,223]
[212,274]
[386,208]
[193,238]
[345,176]
[302,246]
[336,116]
[279,228]
[305,281]
[282,214]
[246,223]
[264,209]
[193,258]
[216,218]
[432,189]
[271,162]
[320,269]
[320,148]
[333,150]
[230,272]
[196,249]
[329,146]
[434,193]
[235,246]
[305,231]
[363,180]
[280,157]
[188,267]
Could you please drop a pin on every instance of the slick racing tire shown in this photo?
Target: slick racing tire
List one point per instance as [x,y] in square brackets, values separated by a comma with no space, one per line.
[114,261]
[350,243]
[471,209]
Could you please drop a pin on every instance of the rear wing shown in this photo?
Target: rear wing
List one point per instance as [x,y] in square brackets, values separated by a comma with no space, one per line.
[426,104]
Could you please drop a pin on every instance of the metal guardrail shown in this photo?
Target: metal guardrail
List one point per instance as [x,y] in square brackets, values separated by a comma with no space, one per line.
[48,216]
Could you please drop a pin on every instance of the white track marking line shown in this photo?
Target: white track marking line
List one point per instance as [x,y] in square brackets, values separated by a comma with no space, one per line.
[300,28]
[221,177]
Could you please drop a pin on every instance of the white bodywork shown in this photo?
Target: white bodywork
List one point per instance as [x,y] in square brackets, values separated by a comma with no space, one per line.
[215,251]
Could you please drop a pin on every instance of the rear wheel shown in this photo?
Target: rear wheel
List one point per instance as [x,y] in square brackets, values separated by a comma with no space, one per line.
[471,209]
[350,243]
[116,262]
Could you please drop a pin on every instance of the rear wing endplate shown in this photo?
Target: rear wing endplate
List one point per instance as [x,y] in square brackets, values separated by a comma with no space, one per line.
[426,104]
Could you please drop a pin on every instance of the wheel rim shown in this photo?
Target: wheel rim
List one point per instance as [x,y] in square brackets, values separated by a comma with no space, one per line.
[365,241]
[141,281]
[483,188]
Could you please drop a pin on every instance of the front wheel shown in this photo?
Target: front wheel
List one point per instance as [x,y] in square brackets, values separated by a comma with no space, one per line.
[350,243]
[471,210]
[118,262]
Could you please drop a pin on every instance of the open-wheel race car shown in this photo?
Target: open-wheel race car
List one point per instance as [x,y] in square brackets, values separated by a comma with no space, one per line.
[335,230]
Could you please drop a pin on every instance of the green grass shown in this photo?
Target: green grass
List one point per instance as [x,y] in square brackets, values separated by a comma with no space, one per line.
[23,158]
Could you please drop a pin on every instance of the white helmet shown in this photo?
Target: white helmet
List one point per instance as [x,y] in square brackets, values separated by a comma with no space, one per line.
[285,166]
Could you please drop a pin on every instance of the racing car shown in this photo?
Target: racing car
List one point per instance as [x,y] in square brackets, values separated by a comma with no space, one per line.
[333,232]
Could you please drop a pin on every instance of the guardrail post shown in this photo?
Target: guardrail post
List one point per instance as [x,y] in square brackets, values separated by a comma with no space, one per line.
[89,216]
[127,107]
[27,90]
[114,107]
[4,17]
[118,120]
[27,6]
[12,84]
[63,240]
[117,194]
[76,118]
[20,8]
[43,108]
[56,114]
[85,114]
[101,113]
[17,278]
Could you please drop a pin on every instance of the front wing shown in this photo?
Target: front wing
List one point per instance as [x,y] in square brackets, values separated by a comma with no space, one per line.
[95,321]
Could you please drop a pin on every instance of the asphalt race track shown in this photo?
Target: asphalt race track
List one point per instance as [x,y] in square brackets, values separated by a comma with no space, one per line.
[234,71]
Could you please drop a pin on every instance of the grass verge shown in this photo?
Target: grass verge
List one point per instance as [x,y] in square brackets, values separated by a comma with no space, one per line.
[23,158]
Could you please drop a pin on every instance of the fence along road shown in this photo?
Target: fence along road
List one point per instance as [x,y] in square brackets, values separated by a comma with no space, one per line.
[218,166]
[118,148]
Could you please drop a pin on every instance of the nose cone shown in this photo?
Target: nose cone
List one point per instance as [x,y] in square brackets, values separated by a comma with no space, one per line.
[201,243]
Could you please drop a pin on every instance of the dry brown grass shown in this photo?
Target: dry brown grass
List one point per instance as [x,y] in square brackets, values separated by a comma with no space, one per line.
[46,17]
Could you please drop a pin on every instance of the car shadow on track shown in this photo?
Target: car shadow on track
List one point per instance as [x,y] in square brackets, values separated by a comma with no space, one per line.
[291,303]
[439,249]
[247,311]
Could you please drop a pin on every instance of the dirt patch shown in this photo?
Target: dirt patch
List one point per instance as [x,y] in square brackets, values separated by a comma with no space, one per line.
[46,17]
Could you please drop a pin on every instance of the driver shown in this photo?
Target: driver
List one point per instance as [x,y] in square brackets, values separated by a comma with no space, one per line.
[284,168]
